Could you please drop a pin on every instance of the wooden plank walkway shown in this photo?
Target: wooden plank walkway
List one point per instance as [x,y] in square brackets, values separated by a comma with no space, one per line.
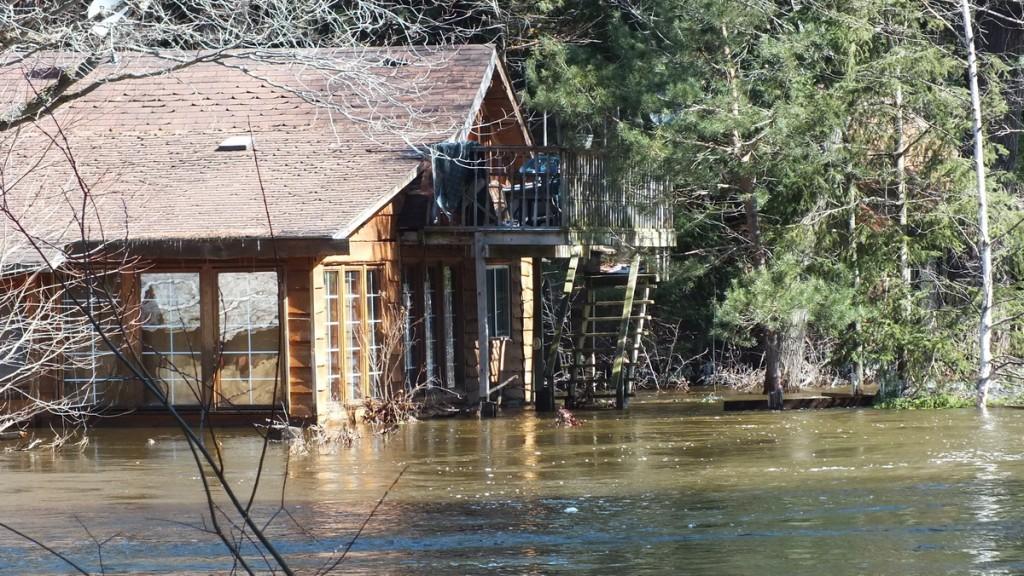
[801,401]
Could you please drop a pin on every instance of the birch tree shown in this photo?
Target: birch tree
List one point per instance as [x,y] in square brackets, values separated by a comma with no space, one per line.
[984,243]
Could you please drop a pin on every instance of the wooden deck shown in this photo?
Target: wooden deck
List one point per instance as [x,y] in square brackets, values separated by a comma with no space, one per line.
[546,196]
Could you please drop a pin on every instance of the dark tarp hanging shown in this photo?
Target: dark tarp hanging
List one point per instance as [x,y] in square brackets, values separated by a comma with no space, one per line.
[455,167]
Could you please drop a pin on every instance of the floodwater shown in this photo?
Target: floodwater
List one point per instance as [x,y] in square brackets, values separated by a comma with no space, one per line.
[666,487]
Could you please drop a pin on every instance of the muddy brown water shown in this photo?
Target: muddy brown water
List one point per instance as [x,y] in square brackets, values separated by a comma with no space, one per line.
[667,487]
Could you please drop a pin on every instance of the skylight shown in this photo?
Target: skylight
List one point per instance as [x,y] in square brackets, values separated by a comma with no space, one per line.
[235,144]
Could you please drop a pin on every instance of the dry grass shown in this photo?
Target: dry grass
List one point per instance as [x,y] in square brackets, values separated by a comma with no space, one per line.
[386,414]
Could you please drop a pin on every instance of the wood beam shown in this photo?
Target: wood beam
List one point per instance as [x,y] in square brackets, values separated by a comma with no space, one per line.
[541,391]
[484,342]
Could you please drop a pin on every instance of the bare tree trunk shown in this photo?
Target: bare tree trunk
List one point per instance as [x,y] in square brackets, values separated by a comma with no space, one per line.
[984,245]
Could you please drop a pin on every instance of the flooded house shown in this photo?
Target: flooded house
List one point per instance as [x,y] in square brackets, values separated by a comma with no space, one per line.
[269,233]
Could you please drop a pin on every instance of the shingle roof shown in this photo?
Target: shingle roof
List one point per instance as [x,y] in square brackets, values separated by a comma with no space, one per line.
[331,130]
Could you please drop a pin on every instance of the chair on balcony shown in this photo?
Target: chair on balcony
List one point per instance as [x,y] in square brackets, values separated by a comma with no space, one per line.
[533,196]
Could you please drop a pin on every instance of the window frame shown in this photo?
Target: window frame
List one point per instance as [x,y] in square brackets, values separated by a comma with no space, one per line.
[209,368]
[217,358]
[344,393]
[202,346]
[112,285]
[450,325]
[410,336]
[496,329]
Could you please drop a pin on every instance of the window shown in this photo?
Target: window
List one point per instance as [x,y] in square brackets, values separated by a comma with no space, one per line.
[90,362]
[499,322]
[429,327]
[171,338]
[355,360]
[448,279]
[409,334]
[249,336]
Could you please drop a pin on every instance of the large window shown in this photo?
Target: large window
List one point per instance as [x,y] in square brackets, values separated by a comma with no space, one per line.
[90,364]
[412,371]
[355,360]
[171,337]
[249,327]
[430,326]
[448,279]
[499,322]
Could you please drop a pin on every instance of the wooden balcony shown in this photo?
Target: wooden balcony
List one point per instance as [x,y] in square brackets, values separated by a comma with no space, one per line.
[546,196]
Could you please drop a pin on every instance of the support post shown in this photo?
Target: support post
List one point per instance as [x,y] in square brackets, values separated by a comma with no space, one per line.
[563,311]
[618,378]
[483,338]
[544,393]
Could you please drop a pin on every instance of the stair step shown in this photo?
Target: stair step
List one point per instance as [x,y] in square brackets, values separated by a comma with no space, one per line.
[601,380]
[613,318]
[629,338]
[619,302]
[619,279]
[589,350]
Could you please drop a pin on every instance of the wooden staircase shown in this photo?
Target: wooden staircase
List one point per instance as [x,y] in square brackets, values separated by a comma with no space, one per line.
[608,322]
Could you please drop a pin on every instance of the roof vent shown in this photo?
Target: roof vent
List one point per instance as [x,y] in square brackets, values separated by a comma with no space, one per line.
[235,144]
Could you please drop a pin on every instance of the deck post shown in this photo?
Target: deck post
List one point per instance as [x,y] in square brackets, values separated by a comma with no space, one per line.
[619,381]
[484,342]
[544,392]
[563,310]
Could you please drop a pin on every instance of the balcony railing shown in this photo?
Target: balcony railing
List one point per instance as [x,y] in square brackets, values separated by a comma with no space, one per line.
[545,188]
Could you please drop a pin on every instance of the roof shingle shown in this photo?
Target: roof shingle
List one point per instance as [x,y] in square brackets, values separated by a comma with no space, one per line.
[330,133]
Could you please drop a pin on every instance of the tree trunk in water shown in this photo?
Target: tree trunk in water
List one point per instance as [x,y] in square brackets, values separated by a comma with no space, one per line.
[773,368]
[791,350]
[858,361]
[770,338]
[984,245]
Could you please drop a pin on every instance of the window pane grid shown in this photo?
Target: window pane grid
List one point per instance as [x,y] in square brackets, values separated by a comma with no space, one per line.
[409,336]
[430,339]
[170,334]
[93,363]
[449,326]
[249,336]
[333,332]
[353,326]
[353,329]
[374,326]
[498,302]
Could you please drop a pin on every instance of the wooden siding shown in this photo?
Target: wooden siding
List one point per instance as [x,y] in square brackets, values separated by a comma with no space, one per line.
[507,354]
[299,337]
[375,243]
[527,312]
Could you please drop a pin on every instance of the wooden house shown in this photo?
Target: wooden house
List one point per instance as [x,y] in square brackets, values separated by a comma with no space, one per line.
[286,235]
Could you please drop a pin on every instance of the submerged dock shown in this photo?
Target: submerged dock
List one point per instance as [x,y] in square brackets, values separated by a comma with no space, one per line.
[801,401]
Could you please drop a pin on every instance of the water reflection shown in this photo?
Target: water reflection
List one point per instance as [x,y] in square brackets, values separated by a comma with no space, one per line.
[666,487]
